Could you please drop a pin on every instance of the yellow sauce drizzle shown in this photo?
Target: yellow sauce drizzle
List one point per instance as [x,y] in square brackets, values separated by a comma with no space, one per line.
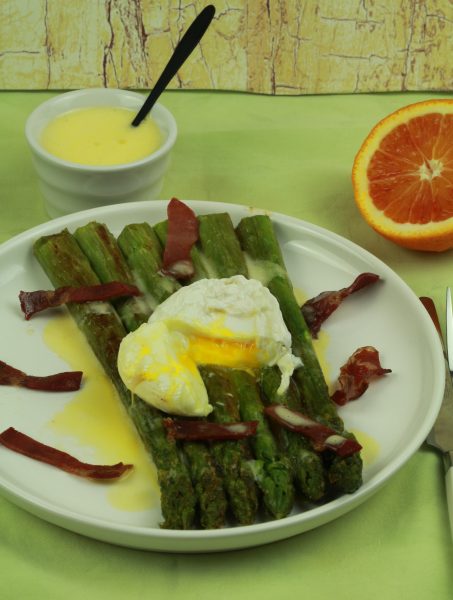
[320,345]
[370,447]
[96,418]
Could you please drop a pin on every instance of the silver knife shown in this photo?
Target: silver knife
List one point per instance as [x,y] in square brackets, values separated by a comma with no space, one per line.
[441,435]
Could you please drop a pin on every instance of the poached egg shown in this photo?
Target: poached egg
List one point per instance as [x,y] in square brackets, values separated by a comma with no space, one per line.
[234,322]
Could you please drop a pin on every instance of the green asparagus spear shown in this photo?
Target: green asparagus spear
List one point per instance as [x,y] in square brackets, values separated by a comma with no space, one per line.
[257,237]
[107,261]
[141,250]
[233,457]
[220,245]
[258,240]
[274,473]
[306,465]
[65,264]
[143,253]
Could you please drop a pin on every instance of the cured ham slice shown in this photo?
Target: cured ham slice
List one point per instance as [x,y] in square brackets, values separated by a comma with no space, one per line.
[67,381]
[355,376]
[33,302]
[23,444]
[316,310]
[181,429]
[182,234]
[322,437]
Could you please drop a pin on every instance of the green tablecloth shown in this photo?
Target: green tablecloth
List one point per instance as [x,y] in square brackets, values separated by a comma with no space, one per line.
[293,155]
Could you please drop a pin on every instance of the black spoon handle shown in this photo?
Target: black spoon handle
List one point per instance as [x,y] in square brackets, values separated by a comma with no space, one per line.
[182,51]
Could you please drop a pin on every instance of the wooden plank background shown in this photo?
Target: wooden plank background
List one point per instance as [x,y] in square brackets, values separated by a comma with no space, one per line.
[263,46]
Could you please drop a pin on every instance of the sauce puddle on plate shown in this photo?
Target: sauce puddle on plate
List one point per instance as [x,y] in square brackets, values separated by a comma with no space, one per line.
[96,418]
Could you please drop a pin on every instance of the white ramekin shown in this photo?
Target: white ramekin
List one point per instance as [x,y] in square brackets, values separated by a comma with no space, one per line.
[69,187]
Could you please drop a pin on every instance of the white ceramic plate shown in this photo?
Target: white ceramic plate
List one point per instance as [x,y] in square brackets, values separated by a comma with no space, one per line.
[396,413]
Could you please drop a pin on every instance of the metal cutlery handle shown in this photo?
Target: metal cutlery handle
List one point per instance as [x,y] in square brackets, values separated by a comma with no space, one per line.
[442,428]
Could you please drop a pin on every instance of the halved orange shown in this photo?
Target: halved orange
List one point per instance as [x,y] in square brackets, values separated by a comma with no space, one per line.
[403,176]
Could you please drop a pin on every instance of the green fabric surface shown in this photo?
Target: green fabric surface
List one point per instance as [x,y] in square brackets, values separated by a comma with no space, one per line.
[293,155]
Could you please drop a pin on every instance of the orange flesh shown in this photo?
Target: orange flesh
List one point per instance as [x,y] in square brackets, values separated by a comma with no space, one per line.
[411,174]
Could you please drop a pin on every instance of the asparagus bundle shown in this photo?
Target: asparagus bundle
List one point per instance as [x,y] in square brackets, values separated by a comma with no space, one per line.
[234,394]
[220,245]
[65,264]
[109,263]
[258,240]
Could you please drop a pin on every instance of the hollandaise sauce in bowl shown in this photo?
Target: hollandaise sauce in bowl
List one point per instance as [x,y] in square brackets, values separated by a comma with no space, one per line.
[100,136]
[87,153]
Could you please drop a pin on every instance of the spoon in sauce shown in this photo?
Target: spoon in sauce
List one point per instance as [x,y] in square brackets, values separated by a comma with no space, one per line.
[182,51]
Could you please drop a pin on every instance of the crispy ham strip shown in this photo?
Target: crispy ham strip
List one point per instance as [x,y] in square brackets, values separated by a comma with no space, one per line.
[355,376]
[322,437]
[33,302]
[316,310]
[68,381]
[181,236]
[181,429]
[23,444]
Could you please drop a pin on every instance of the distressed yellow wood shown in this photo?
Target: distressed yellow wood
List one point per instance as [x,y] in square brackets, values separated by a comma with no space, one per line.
[263,46]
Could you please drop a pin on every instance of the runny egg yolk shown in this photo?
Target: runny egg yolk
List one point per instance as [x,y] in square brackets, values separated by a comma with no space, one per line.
[228,353]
